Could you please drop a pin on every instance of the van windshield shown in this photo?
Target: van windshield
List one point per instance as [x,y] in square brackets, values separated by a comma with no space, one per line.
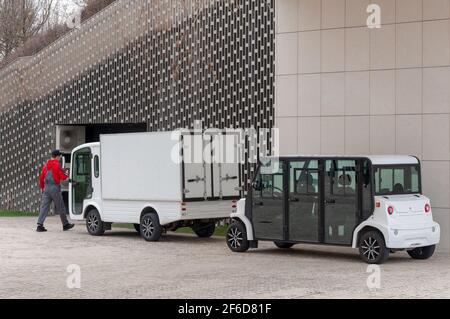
[397,179]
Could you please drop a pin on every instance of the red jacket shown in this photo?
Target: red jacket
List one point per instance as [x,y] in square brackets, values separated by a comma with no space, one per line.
[57,172]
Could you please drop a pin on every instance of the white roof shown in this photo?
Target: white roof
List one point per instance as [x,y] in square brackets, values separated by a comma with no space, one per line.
[375,159]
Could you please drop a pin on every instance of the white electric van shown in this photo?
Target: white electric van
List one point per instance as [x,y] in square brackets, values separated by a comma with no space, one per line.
[145,179]
[373,203]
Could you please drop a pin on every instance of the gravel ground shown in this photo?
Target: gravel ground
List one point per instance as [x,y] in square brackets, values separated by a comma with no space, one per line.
[122,265]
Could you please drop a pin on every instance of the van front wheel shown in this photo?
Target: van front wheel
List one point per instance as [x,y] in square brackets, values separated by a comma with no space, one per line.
[151,229]
[94,223]
[422,252]
[237,237]
[372,248]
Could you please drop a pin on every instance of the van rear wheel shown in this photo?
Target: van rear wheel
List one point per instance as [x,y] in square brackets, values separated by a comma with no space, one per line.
[94,223]
[237,237]
[422,252]
[204,230]
[372,248]
[150,229]
[283,245]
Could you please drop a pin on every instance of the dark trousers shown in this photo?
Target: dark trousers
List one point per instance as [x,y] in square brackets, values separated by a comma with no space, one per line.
[52,194]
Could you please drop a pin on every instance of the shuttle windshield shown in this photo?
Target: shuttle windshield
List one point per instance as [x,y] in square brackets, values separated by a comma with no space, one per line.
[397,179]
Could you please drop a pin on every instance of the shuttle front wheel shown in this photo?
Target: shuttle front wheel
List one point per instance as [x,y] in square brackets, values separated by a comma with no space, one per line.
[237,237]
[151,229]
[283,245]
[94,223]
[372,248]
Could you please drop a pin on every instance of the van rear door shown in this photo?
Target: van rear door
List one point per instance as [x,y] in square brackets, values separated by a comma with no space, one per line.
[205,175]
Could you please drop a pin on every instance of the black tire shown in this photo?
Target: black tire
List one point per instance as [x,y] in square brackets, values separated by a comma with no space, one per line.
[237,237]
[204,230]
[372,248]
[422,252]
[150,229]
[137,227]
[94,223]
[283,245]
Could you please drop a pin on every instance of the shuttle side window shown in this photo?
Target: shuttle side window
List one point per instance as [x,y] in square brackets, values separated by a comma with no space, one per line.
[96,166]
[367,199]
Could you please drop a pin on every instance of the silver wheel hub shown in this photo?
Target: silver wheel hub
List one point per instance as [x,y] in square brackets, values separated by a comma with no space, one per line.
[235,238]
[147,227]
[371,248]
[93,222]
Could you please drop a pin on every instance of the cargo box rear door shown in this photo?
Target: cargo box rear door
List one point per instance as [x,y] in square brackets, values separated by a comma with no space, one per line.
[196,172]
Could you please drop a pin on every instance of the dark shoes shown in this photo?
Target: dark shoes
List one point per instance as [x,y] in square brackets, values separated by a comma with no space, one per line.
[68,226]
[41,229]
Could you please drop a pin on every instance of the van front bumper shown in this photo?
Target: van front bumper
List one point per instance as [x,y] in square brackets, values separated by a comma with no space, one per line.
[401,238]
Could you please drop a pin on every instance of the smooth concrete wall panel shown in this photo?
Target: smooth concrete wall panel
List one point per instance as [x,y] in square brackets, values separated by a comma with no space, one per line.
[309,94]
[382,47]
[408,134]
[333,50]
[355,13]
[332,135]
[286,53]
[436,93]
[409,45]
[408,90]
[436,43]
[309,43]
[286,95]
[357,93]
[377,91]
[382,92]
[408,10]
[436,183]
[357,49]
[309,140]
[357,135]
[287,15]
[288,134]
[333,14]
[382,134]
[333,94]
[436,9]
[436,143]
[442,216]
[309,15]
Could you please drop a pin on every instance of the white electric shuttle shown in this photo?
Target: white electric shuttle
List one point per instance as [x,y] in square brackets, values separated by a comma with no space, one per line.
[373,203]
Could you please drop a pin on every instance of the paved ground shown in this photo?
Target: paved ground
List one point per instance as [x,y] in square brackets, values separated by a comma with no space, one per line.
[122,265]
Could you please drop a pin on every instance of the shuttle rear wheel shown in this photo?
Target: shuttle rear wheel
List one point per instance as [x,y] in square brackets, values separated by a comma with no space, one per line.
[137,227]
[237,237]
[150,229]
[204,230]
[94,223]
[372,247]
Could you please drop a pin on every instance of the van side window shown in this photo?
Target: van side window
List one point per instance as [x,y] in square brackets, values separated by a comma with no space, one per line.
[96,166]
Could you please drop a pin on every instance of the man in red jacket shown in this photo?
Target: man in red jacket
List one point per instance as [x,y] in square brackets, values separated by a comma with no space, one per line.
[50,184]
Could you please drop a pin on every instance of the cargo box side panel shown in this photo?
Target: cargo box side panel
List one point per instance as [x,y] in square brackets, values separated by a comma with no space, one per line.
[140,167]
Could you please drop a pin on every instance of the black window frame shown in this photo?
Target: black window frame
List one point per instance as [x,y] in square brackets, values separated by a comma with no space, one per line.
[394,166]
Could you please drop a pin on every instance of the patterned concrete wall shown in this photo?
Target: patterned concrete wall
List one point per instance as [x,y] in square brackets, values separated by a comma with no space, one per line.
[345,89]
[166,63]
